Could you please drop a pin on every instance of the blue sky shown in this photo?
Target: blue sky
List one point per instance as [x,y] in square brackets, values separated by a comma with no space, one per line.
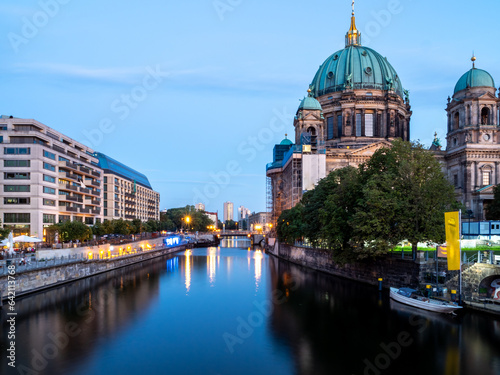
[195,93]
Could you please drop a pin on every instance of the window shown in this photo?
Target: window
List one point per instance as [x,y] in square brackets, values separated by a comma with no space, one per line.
[105,180]
[64,218]
[49,155]
[455,180]
[49,178]
[62,192]
[105,195]
[63,159]
[49,167]
[16,218]
[89,220]
[16,200]
[116,181]
[339,125]
[16,163]
[329,127]
[49,202]
[486,178]
[369,125]
[16,175]
[117,213]
[16,188]
[358,124]
[48,190]
[49,219]
[17,151]
[105,212]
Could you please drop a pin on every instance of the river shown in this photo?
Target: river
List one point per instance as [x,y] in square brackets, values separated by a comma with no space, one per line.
[234,310]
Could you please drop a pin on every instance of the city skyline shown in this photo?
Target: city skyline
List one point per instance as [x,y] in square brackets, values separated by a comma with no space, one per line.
[126,91]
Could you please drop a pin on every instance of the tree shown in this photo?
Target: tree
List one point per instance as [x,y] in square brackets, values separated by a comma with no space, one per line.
[400,194]
[493,209]
[121,226]
[98,229]
[4,232]
[72,231]
[405,188]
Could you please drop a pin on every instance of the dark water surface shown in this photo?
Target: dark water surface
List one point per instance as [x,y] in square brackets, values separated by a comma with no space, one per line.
[238,311]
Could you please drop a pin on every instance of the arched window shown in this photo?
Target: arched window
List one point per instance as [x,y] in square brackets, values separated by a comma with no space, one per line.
[456,121]
[314,138]
[485,115]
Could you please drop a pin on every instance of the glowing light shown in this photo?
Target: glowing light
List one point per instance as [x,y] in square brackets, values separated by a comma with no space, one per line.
[90,256]
[188,270]
[258,267]
[211,265]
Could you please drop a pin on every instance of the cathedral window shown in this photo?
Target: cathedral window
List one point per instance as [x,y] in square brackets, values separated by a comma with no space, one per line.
[456,121]
[329,128]
[486,178]
[485,114]
[455,180]
[369,125]
[358,124]
[339,126]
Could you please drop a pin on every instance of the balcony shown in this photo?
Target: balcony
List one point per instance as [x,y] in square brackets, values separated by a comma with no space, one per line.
[69,175]
[84,169]
[68,209]
[95,183]
[131,203]
[96,174]
[93,202]
[74,199]
[93,192]
[84,190]
[68,187]
[96,211]
[128,195]
[129,217]
[59,149]
[68,165]
[85,210]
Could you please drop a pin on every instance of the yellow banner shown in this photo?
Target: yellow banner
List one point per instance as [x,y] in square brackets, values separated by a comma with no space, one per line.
[452,224]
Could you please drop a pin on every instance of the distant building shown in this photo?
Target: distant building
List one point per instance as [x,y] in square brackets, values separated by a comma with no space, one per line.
[228,211]
[243,213]
[127,193]
[200,207]
[214,217]
[260,221]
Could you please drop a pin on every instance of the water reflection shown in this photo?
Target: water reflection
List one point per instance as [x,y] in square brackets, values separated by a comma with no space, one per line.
[188,270]
[331,323]
[173,313]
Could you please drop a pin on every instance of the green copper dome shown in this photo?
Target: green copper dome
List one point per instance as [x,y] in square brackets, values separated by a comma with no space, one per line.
[286,142]
[356,67]
[310,103]
[474,78]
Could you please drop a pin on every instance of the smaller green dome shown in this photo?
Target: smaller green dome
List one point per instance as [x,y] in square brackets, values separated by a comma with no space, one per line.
[286,142]
[474,78]
[310,103]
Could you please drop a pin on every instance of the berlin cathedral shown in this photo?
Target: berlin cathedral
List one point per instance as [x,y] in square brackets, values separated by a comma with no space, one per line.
[356,104]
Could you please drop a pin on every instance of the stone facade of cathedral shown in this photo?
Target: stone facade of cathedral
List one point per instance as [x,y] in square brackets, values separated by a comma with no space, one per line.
[356,104]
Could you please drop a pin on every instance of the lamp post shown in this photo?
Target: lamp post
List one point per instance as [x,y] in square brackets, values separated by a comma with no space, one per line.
[188,219]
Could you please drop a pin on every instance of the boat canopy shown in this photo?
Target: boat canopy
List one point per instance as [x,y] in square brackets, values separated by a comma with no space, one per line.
[406,291]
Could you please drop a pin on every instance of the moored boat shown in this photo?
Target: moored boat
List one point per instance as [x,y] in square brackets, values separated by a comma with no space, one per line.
[410,297]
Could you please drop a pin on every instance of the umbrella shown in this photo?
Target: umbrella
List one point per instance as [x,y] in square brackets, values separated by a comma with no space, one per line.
[24,238]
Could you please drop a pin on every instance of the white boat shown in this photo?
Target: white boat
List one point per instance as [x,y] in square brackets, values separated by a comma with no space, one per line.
[410,297]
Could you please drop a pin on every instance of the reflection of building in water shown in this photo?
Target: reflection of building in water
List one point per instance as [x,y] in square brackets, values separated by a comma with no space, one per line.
[99,306]
[211,264]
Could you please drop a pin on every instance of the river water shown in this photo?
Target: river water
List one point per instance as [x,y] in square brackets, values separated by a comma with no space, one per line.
[233,310]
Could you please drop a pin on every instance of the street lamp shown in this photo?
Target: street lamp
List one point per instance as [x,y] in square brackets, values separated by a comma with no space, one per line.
[187,219]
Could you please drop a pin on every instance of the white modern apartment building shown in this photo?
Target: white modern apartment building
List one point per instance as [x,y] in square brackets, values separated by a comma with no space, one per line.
[127,194]
[46,178]
[228,211]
